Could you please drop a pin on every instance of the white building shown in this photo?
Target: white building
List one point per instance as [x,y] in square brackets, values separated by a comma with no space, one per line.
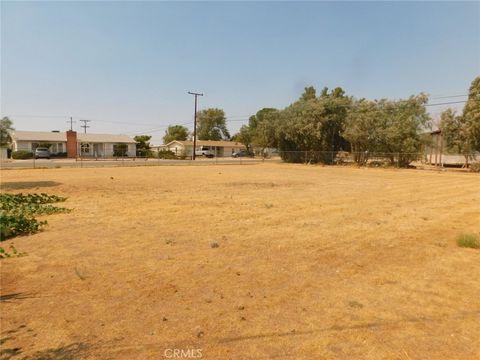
[216,148]
[76,144]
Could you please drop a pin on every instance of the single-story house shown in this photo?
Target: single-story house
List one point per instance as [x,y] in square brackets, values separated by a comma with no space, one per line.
[217,148]
[73,144]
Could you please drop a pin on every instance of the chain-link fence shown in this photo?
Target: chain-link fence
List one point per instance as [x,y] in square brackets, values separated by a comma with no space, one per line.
[369,159]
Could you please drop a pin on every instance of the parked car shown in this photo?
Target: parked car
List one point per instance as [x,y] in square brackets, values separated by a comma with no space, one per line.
[205,151]
[242,153]
[42,153]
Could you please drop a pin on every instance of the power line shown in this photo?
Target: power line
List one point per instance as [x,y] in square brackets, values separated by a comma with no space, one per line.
[449,96]
[447,103]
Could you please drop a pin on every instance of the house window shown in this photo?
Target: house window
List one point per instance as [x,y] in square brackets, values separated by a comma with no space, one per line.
[60,147]
[120,150]
[85,148]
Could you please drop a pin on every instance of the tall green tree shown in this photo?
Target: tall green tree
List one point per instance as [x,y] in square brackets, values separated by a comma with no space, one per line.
[5,125]
[175,132]
[393,128]
[456,134]
[244,136]
[471,114]
[143,145]
[248,134]
[211,125]
[257,119]
[362,129]
[310,128]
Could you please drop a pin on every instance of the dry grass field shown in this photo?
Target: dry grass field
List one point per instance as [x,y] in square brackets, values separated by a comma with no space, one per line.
[312,263]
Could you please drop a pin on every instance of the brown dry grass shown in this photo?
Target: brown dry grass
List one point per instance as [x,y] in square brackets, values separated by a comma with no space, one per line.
[313,263]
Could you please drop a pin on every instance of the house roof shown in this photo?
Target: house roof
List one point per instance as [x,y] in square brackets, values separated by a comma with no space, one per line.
[20,135]
[209,143]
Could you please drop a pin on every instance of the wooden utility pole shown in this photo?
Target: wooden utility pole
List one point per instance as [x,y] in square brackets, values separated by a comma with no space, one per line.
[85,126]
[195,123]
[71,123]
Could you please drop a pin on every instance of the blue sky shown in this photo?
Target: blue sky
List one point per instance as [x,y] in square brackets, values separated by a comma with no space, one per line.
[128,65]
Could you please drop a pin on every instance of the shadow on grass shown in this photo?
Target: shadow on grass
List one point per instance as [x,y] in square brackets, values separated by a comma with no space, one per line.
[14,296]
[69,352]
[368,325]
[22,185]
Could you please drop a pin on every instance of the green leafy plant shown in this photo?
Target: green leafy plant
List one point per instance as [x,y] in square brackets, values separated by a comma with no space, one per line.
[17,213]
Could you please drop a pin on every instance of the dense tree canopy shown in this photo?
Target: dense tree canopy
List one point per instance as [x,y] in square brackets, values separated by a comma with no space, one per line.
[5,125]
[143,145]
[211,125]
[175,132]
[462,132]
[315,128]
[471,114]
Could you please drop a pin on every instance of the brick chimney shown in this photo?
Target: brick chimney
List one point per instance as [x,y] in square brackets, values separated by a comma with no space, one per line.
[71,144]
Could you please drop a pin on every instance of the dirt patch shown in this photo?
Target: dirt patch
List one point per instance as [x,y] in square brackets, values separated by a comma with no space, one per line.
[259,262]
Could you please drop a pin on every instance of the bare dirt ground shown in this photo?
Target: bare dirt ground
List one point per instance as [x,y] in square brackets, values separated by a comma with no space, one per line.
[312,263]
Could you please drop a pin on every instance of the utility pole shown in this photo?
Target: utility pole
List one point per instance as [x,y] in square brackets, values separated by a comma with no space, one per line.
[195,123]
[85,126]
[71,123]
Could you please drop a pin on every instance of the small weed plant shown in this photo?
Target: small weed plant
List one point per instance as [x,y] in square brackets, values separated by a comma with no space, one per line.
[469,241]
[5,254]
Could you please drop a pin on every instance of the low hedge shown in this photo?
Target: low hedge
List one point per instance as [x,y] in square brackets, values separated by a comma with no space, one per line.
[22,154]
[166,154]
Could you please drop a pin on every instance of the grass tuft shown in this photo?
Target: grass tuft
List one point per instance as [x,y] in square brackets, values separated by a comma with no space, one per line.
[469,241]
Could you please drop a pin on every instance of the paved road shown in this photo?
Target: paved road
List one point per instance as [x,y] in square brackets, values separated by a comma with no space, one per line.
[70,163]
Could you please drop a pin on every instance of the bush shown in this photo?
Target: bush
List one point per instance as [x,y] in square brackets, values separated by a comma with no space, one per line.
[17,213]
[59,155]
[469,241]
[22,154]
[166,154]
[475,167]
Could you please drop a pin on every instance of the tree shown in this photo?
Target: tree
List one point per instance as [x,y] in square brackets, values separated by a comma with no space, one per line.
[211,125]
[310,128]
[402,123]
[248,134]
[309,94]
[257,119]
[5,125]
[244,136]
[393,128]
[143,145]
[362,129]
[175,132]
[471,115]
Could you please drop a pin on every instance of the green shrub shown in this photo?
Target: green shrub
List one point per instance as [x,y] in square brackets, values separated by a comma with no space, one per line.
[17,213]
[60,155]
[166,154]
[469,241]
[22,154]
